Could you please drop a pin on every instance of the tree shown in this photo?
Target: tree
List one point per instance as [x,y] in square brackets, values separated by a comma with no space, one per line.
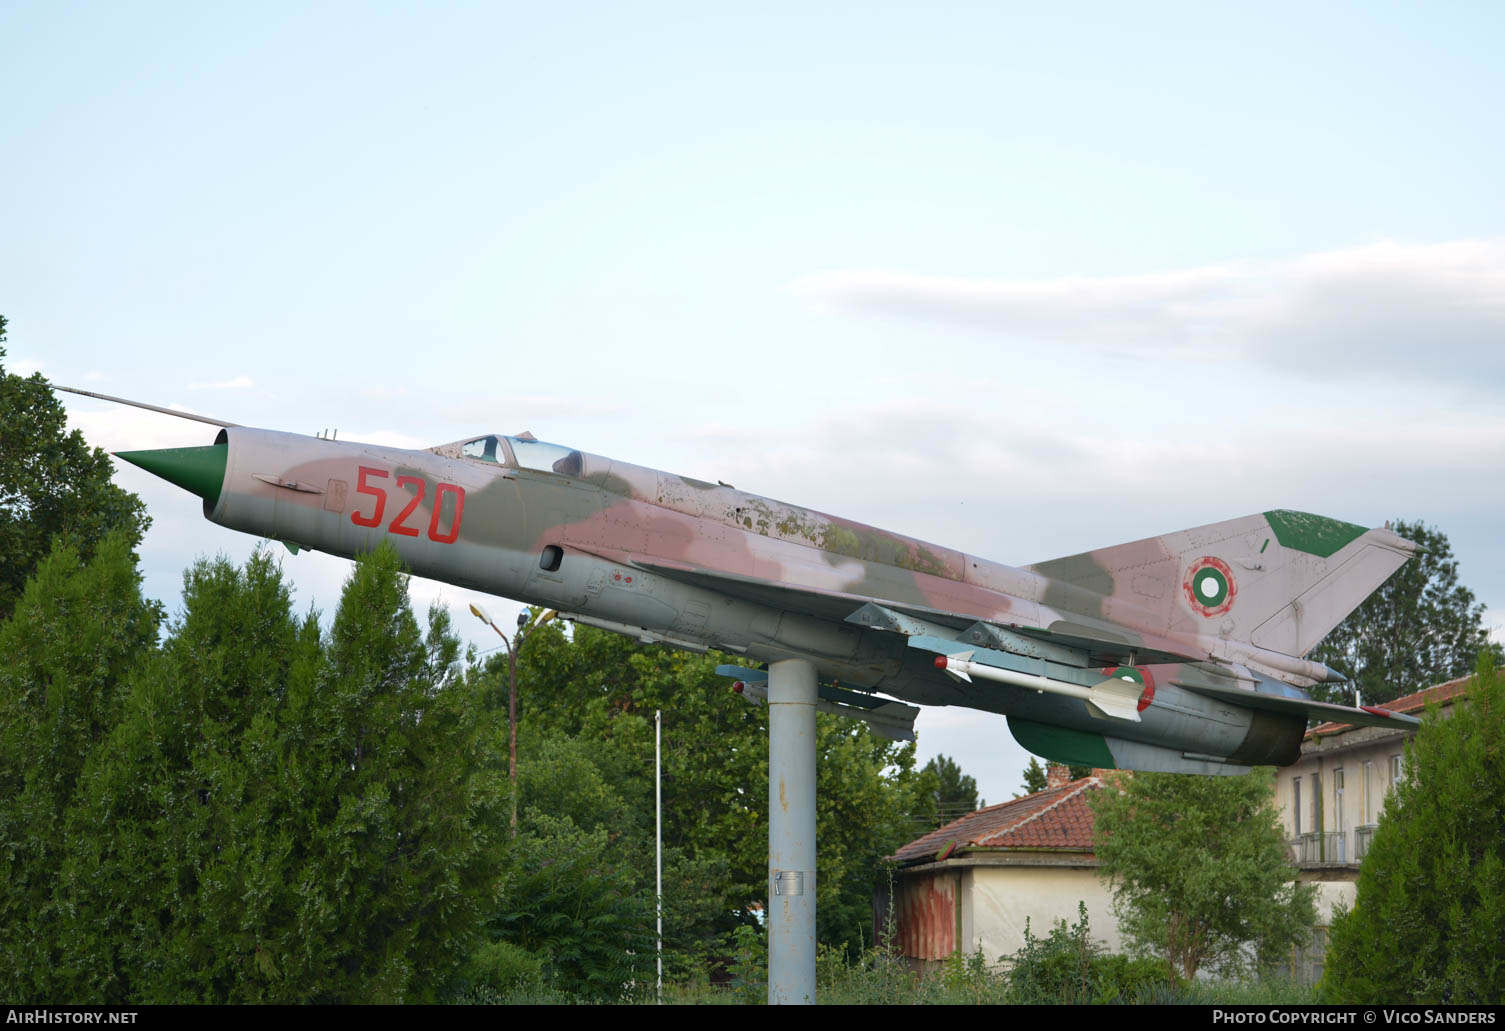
[1199,869]
[52,485]
[1420,628]
[601,689]
[260,812]
[944,793]
[1429,914]
[75,639]
[1034,777]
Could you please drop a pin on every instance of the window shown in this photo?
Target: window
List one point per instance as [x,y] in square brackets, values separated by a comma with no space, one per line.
[1316,801]
[1338,822]
[545,457]
[1364,789]
[486,449]
[1296,804]
[1394,772]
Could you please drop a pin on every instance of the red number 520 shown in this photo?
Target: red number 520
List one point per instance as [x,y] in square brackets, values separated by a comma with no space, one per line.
[399,524]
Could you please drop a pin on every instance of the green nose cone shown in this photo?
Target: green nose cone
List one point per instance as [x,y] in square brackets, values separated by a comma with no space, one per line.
[197,469]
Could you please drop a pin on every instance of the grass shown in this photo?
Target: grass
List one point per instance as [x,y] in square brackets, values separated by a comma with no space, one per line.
[879,980]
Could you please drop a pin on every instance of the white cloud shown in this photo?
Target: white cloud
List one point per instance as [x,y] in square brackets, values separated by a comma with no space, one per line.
[1394,310]
[25,367]
[241,382]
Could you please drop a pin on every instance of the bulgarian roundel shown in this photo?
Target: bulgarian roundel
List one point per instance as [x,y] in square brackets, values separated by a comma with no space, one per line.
[1139,675]
[1209,586]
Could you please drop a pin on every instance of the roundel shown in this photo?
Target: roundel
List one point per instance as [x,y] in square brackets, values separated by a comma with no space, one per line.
[1209,586]
[1138,675]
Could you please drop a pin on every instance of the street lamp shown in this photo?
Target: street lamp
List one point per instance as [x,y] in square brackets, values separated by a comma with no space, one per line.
[525,627]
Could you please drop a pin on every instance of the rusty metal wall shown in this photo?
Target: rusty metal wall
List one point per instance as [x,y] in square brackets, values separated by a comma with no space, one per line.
[927,915]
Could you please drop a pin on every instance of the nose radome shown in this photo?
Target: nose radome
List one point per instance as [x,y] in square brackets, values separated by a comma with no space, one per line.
[200,470]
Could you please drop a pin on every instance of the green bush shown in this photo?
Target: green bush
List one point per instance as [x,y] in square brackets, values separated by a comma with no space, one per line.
[502,968]
[565,898]
[1068,967]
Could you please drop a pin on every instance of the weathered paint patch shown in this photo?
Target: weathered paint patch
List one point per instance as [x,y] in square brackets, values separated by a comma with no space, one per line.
[854,540]
[1209,586]
[1313,534]
[1063,745]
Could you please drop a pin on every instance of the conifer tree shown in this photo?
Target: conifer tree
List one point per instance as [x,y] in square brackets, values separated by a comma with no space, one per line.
[1429,915]
[280,815]
[75,638]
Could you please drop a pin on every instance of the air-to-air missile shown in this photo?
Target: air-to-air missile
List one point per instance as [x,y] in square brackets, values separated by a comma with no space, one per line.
[1180,653]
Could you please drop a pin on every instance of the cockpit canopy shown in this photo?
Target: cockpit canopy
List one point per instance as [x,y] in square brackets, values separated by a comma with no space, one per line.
[523,453]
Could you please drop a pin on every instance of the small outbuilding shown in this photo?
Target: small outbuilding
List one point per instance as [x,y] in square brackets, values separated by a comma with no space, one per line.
[975,883]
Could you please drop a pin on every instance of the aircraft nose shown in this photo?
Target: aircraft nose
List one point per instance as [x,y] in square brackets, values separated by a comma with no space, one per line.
[200,470]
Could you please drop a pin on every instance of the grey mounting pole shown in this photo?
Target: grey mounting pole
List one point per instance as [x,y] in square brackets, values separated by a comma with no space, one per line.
[658,841]
[791,832]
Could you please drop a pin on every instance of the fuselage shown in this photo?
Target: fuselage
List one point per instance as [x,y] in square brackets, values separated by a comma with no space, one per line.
[701,565]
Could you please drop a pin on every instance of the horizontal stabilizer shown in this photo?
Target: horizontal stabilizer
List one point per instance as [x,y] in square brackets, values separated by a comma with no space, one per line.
[1368,716]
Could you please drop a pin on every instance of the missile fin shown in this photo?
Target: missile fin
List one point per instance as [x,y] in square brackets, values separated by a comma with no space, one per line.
[958,674]
[1116,699]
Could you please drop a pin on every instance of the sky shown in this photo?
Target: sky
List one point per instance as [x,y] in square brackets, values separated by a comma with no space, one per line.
[1020,279]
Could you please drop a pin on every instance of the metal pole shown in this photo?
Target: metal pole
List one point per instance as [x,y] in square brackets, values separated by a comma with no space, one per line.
[658,836]
[791,832]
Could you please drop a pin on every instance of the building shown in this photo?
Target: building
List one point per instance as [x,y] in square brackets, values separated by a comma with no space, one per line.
[1331,801]
[974,883]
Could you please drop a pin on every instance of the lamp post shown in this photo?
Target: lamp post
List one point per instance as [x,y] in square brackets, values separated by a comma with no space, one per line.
[525,627]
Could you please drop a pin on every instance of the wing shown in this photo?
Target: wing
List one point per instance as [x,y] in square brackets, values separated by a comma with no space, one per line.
[1093,641]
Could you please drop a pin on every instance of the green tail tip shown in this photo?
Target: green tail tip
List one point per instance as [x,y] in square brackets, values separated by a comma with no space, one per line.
[200,470]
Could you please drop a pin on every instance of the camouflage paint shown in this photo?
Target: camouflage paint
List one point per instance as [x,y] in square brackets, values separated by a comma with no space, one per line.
[1063,745]
[696,564]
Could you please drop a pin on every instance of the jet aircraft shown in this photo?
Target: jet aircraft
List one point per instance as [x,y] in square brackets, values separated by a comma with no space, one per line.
[1180,653]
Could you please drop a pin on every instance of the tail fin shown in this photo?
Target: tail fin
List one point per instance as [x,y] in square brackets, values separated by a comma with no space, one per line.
[1279,580]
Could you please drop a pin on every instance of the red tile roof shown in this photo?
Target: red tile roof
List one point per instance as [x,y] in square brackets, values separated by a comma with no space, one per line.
[1056,818]
[1414,702]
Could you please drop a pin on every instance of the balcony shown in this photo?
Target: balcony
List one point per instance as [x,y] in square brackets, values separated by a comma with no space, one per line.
[1322,848]
[1362,836]
[1332,848]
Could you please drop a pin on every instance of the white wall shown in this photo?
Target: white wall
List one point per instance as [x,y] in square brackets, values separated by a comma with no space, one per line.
[998,899]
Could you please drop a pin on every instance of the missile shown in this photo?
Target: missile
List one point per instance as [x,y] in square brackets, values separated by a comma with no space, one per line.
[1112,699]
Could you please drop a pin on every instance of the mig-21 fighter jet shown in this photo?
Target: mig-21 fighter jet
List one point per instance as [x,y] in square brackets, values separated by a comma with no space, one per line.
[1180,653]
